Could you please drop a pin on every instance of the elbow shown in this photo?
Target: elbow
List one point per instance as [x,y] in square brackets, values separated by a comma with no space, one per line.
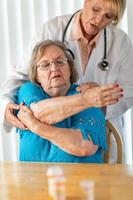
[85,153]
[35,111]
[43,118]
[81,152]
[36,115]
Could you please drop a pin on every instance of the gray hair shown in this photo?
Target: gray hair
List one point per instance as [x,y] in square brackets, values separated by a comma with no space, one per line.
[37,53]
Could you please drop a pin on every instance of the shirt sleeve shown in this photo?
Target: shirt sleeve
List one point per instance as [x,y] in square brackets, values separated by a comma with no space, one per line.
[29,93]
[91,123]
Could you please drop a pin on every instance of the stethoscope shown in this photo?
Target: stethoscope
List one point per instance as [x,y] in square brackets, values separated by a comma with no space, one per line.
[103,65]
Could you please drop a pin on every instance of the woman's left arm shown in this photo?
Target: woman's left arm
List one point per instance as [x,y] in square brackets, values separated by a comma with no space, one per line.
[69,139]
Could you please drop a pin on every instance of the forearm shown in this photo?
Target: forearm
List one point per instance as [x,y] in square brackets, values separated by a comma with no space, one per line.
[70,140]
[59,108]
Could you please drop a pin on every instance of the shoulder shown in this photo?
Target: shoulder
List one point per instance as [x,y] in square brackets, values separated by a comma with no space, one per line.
[30,87]
[54,28]
[30,92]
[58,19]
[119,46]
[116,34]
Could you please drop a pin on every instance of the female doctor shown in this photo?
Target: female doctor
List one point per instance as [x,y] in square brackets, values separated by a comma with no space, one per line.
[102,54]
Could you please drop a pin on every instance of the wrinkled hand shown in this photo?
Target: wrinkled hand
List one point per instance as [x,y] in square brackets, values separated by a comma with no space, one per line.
[86,86]
[10,116]
[102,96]
[26,115]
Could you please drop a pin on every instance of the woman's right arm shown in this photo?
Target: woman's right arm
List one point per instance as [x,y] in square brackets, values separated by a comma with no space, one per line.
[57,109]
[71,140]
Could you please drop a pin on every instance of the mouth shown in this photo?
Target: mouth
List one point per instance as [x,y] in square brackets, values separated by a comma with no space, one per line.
[56,77]
[93,26]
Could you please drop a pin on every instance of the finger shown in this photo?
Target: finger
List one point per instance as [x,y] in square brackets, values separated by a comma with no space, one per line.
[114,93]
[16,122]
[109,87]
[86,86]
[24,108]
[110,102]
[105,102]
[113,96]
[13,106]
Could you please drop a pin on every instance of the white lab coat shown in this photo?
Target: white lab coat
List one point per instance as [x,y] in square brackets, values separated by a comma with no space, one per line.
[119,56]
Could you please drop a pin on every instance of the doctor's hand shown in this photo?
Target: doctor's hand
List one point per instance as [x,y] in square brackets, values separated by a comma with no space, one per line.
[26,116]
[10,115]
[101,96]
[86,86]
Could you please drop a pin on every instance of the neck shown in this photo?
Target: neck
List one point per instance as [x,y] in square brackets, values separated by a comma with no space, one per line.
[87,36]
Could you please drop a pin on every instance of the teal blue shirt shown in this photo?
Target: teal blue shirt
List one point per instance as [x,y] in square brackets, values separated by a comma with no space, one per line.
[90,122]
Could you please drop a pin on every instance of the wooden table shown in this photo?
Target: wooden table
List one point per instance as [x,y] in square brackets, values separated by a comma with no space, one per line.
[23,181]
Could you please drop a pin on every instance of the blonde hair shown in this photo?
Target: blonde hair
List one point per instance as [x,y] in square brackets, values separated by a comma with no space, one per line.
[38,52]
[119,7]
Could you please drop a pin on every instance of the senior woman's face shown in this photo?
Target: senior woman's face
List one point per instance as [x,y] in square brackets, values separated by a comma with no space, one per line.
[53,71]
[97,14]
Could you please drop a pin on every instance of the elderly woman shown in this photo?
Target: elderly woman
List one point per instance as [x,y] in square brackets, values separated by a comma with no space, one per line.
[79,138]
[85,36]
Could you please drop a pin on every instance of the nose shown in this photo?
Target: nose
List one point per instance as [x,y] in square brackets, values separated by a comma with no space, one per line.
[54,67]
[99,18]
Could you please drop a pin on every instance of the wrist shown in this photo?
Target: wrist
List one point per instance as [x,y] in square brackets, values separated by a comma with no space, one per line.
[84,100]
[33,125]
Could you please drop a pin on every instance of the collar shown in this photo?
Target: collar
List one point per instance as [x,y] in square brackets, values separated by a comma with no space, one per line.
[78,35]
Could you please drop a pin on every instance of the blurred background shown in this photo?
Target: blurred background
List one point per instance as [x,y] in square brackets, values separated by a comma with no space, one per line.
[19,20]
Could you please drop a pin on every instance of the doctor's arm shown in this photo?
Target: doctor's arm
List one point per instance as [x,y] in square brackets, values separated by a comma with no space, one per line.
[18,76]
[125,79]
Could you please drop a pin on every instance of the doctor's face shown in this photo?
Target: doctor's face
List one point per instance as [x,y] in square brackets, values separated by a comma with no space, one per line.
[96,15]
[53,71]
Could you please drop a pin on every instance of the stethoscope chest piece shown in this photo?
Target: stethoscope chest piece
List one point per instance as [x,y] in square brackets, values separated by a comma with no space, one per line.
[104,65]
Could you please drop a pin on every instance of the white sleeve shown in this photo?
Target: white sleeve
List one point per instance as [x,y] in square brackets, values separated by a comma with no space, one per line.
[50,30]
[125,80]
[18,76]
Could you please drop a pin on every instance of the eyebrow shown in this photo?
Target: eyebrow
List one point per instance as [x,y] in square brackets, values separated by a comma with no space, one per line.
[111,11]
[54,59]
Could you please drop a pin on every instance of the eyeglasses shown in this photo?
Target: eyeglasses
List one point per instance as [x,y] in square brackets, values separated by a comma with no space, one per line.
[59,62]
